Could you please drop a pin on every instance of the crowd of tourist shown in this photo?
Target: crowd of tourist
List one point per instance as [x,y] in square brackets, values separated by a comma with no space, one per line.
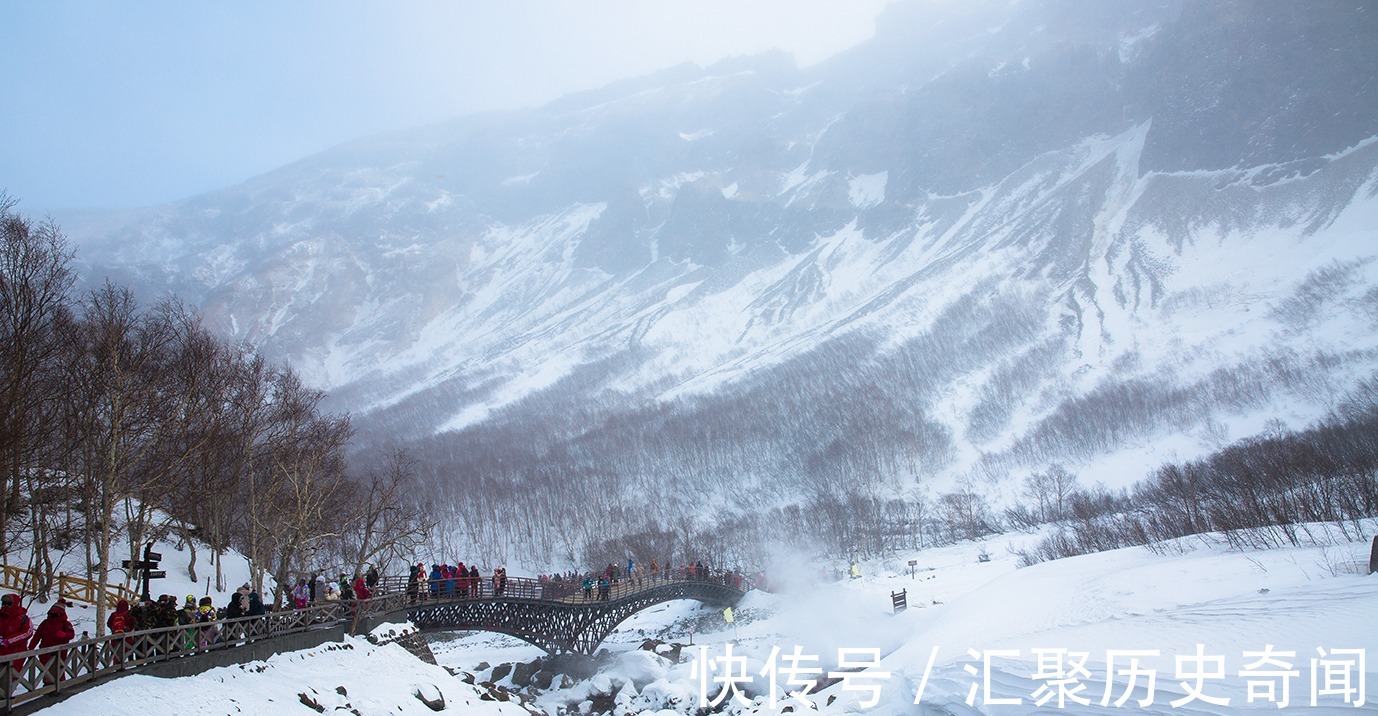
[459,581]
[599,585]
[445,581]
[18,634]
[212,624]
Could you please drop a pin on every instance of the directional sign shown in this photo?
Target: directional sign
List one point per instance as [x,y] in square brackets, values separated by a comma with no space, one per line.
[138,564]
[148,568]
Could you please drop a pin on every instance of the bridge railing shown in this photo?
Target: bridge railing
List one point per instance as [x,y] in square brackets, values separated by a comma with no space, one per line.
[37,673]
[429,591]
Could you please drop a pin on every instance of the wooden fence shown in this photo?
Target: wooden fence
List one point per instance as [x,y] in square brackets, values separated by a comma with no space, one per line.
[76,589]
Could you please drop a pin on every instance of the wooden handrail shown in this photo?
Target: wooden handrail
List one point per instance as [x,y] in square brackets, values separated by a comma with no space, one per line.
[37,673]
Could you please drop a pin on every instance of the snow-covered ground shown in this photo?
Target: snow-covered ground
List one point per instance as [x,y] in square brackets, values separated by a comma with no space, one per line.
[352,676]
[1205,624]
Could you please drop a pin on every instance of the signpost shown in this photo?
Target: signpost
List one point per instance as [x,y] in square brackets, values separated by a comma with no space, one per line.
[912,564]
[147,569]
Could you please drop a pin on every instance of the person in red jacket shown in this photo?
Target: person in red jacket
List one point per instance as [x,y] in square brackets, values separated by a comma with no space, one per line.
[361,590]
[15,629]
[121,622]
[56,630]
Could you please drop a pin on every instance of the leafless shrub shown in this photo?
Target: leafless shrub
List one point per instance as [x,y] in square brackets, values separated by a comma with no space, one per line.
[1319,288]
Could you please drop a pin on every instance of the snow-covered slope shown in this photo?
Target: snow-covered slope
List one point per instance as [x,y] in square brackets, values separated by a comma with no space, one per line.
[1000,234]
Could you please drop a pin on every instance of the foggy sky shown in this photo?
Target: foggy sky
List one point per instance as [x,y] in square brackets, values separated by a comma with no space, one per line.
[115,104]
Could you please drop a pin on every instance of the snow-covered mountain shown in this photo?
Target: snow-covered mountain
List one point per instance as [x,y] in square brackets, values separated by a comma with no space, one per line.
[999,234]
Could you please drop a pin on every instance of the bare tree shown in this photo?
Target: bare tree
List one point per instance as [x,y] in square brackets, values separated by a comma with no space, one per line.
[119,411]
[300,494]
[965,514]
[35,286]
[187,394]
[193,459]
[1050,493]
[231,505]
[389,523]
[210,496]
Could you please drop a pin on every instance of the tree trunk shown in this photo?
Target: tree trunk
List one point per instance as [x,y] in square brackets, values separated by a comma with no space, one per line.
[42,561]
[191,564]
[103,540]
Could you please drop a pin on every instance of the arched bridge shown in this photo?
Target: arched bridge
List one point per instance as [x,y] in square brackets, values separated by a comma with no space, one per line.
[558,618]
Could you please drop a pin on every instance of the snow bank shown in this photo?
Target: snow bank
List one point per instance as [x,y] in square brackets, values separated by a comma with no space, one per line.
[350,675]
